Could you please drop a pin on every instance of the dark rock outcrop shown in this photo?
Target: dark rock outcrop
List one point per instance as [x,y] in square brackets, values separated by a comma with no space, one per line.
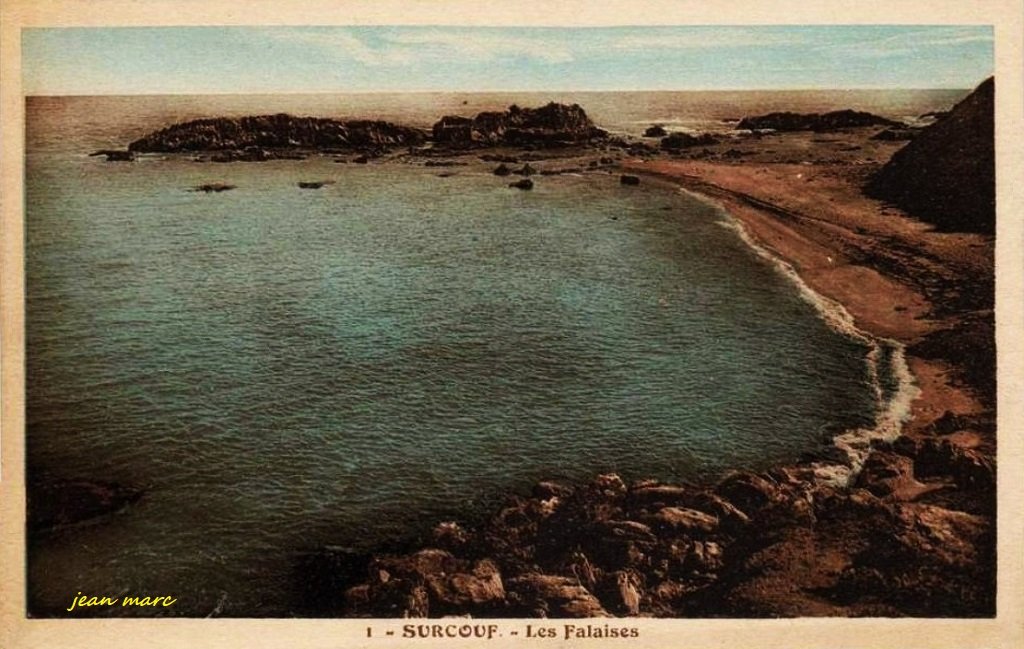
[677,141]
[58,503]
[114,155]
[279,131]
[657,130]
[819,122]
[775,544]
[213,188]
[627,179]
[946,175]
[548,126]
[525,183]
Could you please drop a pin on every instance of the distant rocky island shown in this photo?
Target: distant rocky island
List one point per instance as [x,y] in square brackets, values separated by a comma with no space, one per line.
[932,178]
[275,132]
[820,122]
[266,137]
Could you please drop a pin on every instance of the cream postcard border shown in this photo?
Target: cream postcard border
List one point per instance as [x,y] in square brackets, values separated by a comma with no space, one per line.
[1007,17]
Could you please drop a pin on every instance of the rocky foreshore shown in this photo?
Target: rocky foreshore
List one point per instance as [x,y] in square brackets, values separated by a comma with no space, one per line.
[913,537]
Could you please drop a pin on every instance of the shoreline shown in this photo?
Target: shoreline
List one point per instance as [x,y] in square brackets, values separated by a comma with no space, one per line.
[818,253]
[907,530]
[892,412]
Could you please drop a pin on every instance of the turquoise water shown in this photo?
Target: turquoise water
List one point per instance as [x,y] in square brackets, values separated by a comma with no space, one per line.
[283,368]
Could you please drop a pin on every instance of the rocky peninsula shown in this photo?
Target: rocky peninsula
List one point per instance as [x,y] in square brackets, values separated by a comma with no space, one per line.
[852,212]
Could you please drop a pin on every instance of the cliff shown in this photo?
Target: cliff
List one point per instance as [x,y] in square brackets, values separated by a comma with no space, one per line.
[276,131]
[550,125]
[946,175]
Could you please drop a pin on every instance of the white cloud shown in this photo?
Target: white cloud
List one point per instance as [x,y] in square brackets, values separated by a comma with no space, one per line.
[486,47]
[705,39]
[347,44]
[907,43]
[407,47]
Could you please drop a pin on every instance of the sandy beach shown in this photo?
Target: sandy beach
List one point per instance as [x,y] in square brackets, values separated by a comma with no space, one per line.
[897,276]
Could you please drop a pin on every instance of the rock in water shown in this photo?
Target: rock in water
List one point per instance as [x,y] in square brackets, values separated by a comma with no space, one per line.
[213,187]
[820,122]
[114,155]
[946,175]
[58,503]
[550,125]
[629,180]
[280,131]
[685,140]
[655,131]
[525,183]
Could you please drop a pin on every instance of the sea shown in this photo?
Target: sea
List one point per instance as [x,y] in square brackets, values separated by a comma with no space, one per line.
[281,370]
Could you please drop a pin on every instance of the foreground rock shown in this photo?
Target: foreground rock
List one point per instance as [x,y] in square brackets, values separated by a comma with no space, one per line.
[946,175]
[772,544]
[59,503]
[820,122]
[213,188]
[678,141]
[279,131]
[552,125]
[114,155]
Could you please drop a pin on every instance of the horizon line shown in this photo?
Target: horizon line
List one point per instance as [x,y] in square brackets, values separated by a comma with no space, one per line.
[503,91]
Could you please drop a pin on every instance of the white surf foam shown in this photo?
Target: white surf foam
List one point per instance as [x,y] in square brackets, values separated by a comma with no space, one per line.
[891,412]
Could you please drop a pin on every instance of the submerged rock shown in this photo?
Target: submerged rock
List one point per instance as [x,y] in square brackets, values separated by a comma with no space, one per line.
[629,180]
[525,183]
[213,187]
[114,155]
[58,503]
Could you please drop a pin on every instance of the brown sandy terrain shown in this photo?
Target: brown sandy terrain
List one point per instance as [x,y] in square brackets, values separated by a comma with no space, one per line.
[897,276]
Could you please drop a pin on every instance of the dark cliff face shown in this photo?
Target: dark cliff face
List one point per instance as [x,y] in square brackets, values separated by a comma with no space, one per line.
[276,131]
[814,121]
[946,175]
[550,125]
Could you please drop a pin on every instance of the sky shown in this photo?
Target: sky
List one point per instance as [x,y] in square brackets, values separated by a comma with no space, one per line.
[134,60]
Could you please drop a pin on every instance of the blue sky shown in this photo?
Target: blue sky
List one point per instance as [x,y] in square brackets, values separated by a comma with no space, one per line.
[132,60]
